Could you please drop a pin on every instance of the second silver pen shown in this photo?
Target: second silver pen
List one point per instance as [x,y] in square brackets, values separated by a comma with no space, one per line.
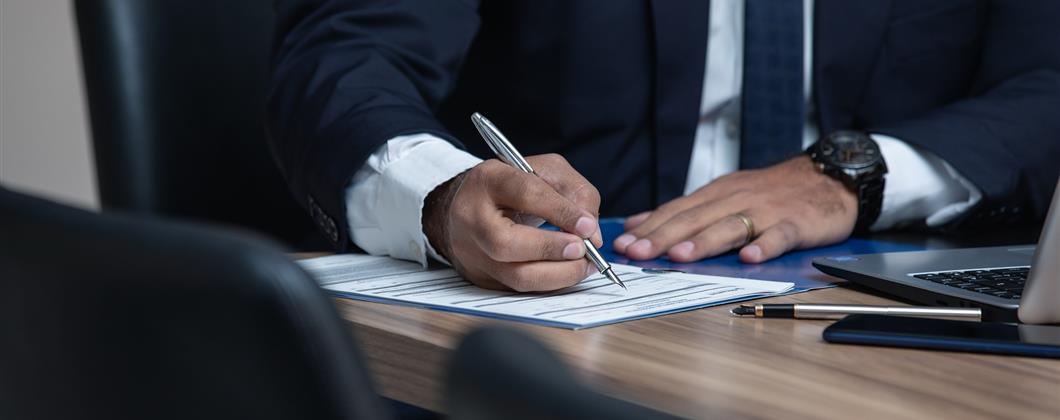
[507,154]
[835,311]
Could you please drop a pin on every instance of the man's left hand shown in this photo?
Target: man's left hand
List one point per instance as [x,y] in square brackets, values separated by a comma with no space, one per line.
[789,206]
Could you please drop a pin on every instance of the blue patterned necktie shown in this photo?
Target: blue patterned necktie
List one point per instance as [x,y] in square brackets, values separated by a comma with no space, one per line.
[772,108]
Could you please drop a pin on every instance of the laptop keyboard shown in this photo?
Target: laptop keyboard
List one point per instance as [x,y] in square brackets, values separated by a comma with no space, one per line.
[1006,283]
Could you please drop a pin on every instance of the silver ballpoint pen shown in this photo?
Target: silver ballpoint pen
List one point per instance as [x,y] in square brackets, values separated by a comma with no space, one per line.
[507,154]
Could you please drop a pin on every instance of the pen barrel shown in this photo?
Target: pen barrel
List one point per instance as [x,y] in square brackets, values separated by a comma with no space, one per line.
[593,255]
[499,144]
[820,311]
[779,310]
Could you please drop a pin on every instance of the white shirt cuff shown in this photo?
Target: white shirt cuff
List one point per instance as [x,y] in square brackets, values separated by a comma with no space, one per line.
[384,201]
[920,187]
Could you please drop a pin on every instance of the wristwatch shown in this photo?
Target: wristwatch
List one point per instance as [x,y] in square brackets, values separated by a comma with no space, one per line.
[854,159]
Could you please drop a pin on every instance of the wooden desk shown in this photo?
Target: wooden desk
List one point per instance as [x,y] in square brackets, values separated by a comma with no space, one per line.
[705,363]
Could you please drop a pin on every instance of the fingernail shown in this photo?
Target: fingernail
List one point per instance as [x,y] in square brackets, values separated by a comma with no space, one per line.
[683,249]
[642,246]
[623,241]
[573,250]
[585,227]
[590,270]
[753,252]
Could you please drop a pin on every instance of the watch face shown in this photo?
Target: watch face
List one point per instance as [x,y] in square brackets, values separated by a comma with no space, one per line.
[848,149]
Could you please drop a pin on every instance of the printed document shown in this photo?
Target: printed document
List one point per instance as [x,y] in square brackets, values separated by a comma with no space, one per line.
[592,302]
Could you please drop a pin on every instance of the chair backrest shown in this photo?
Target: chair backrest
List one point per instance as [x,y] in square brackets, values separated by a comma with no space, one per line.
[176,92]
[110,316]
[505,374]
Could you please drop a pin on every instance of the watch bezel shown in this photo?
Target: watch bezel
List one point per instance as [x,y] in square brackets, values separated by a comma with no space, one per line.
[832,159]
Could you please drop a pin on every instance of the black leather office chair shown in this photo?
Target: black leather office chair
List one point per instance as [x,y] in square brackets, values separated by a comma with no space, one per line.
[176,92]
[505,374]
[116,317]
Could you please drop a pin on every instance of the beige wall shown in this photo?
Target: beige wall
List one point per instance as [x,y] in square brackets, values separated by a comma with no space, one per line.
[44,143]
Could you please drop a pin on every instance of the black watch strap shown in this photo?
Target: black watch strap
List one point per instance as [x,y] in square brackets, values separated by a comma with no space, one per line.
[870,203]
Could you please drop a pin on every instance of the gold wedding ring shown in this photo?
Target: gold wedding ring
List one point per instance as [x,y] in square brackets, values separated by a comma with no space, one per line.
[747,223]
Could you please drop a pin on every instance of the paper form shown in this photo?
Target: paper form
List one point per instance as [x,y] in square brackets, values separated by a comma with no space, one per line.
[595,301]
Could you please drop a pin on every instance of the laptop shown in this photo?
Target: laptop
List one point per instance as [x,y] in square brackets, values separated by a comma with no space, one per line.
[1009,283]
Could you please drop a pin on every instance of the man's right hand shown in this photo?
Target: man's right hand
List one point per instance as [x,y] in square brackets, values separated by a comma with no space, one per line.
[471,221]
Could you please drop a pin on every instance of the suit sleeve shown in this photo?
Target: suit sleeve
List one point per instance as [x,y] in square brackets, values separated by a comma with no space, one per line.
[348,76]
[1005,137]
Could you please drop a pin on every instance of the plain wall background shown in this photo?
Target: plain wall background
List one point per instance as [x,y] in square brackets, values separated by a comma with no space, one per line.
[44,141]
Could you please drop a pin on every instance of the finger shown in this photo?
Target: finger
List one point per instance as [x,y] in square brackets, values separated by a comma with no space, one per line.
[622,241]
[568,182]
[597,239]
[636,219]
[720,237]
[774,241]
[682,226]
[530,194]
[501,239]
[557,172]
[475,272]
[661,215]
[542,276]
[480,279]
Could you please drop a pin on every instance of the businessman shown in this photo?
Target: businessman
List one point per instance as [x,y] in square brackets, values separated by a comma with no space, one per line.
[759,126]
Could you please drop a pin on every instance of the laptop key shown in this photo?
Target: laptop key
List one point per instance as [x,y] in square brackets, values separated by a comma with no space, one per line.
[999,284]
[1006,283]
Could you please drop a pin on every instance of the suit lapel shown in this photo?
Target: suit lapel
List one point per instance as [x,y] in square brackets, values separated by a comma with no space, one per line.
[680,28]
[847,39]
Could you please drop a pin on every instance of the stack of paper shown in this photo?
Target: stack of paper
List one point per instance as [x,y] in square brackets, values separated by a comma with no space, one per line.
[594,301]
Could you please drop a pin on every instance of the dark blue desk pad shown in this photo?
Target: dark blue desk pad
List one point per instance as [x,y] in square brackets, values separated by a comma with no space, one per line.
[793,267]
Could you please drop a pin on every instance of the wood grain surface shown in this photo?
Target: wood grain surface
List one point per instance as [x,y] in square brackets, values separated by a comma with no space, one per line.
[708,364]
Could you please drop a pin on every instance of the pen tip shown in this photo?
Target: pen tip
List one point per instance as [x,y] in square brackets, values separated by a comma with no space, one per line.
[743,310]
[610,274]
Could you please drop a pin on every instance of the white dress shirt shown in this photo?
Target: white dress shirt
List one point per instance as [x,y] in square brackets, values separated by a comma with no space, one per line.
[385,198]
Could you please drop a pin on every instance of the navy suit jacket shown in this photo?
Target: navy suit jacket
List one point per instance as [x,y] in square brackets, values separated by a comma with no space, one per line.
[615,87]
